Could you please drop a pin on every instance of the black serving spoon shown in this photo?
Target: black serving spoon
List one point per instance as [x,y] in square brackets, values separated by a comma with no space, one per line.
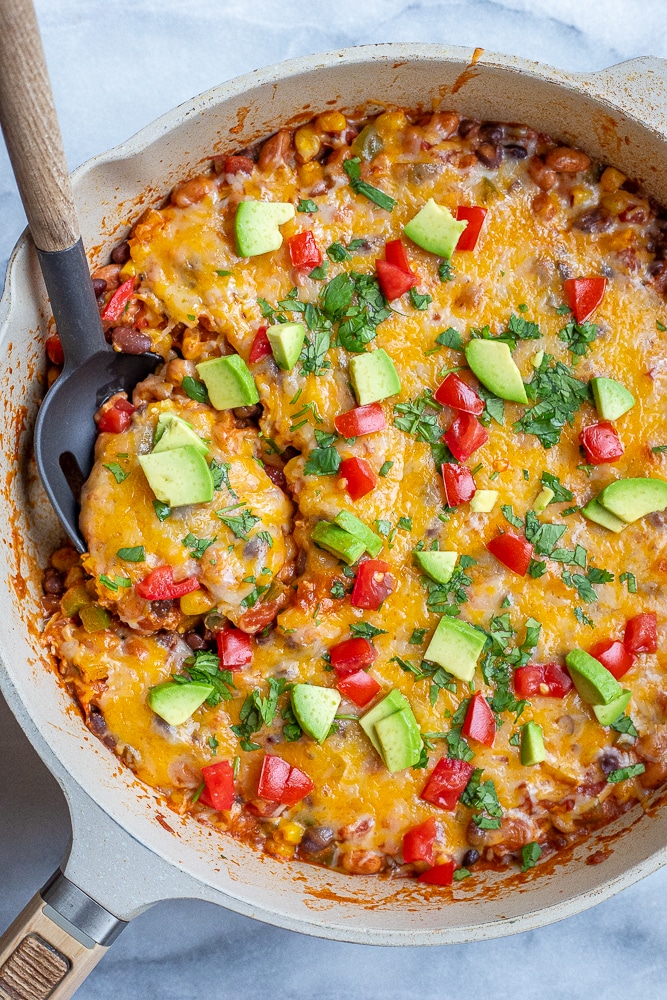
[65,431]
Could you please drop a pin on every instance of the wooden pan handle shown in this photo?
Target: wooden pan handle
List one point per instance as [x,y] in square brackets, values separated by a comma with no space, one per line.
[31,130]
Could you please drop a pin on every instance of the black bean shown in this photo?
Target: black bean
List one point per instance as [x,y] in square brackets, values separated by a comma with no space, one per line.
[161,608]
[289,453]
[52,581]
[516,152]
[99,286]
[470,857]
[317,839]
[194,640]
[489,155]
[130,341]
[598,220]
[51,604]
[609,760]
[492,132]
[248,412]
[466,126]
[121,253]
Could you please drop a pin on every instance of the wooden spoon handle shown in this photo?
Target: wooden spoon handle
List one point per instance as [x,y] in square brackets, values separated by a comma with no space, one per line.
[31,130]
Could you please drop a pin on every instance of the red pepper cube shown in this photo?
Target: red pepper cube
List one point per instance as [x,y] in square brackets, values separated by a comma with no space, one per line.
[465,435]
[359,687]
[117,418]
[304,251]
[601,443]
[393,281]
[584,295]
[480,723]
[273,777]
[458,394]
[351,655]
[512,551]
[362,420]
[54,350]
[160,585]
[395,253]
[297,786]
[446,783]
[459,484]
[219,782]
[372,585]
[115,307]
[418,842]
[234,648]
[474,216]
[526,681]
[613,655]
[548,680]
[641,633]
[557,681]
[359,476]
[440,875]
[261,348]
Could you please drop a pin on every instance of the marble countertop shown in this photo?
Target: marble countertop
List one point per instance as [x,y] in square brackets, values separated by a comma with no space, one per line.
[114,67]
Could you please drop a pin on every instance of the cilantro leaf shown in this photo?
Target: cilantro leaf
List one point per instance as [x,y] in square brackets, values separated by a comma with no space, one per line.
[530,855]
[162,510]
[578,336]
[560,493]
[364,630]
[559,396]
[522,328]
[631,581]
[203,667]
[352,168]
[419,301]
[624,724]
[446,271]
[313,355]
[239,524]
[322,461]
[623,773]
[306,205]
[194,389]
[450,338]
[196,545]
[135,554]
[220,473]
[119,474]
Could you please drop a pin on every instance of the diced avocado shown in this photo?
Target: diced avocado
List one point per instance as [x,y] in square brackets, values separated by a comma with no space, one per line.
[456,646]
[314,708]
[175,702]
[484,501]
[229,382]
[286,341]
[630,499]
[612,399]
[606,714]
[174,432]
[438,565]
[491,361]
[594,511]
[373,376]
[394,702]
[435,229]
[400,740]
[543,499]
[256,226]
[338,542]
[178,477]
[372,542]
[532,745]
[595,684]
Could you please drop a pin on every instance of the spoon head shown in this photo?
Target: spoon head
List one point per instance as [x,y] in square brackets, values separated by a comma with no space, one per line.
[65,432]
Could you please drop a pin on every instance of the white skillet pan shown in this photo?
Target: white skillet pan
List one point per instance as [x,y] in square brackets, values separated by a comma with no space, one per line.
[128,850]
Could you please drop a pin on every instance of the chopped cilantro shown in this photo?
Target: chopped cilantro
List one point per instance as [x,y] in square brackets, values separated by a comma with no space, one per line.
[419,301]
[162,510]
[266,537]
[536,568]
[352,168]
[482,795]
[120,475]
[444,598]
[194,389]
[313,355]
[623,773]
[582,618]
[446,271]
[364,630]
[306,205]
[510,516]
[405,523]
[631,581]
[258,710]
[461,873]
[522,329]
[337,589]
[197,546]
[239,524]
[323,460]
[135,554]
[223,274]
[213,743]
[494,407]
[660,326]
[319,273]
[530,855]
[559,396]
[659,449]
[220,473]
[560,493]
[291,730]
[625,725]
[578,336]
[203,667]
[417,637]
[384,468]
[450,338]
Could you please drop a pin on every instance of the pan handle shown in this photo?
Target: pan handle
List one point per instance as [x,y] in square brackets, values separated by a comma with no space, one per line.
[54,943]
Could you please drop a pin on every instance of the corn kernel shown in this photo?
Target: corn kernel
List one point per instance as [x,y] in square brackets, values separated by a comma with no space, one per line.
[197,603]
[612,179]
[309,173]
[331,121]
[290,833]
[279,850]
[390,122]
[128,270]
[63,559]
[618,201]
[622,240]
[580,195]
[307,143]
[501,465]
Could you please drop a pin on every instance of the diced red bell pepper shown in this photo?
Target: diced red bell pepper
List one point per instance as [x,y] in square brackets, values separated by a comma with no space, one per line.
[280,782]
[393,281]
[54,350]
[304,251]
[261,348]
[465,435]
[584,295]
[219,782]
[456,393]
[440,875]
[160,585]
[117,418]
[601,443]
[512,551]
[360,478]
[480,724]
[359,687]
[297,786]
[546,679]
[459,484]
[115,307]
[641,633]
[372,585]
[447,781]
[234,648]
[362,420]
[474,216]
[613,655]
[351,655]
[418,842]
[395,253]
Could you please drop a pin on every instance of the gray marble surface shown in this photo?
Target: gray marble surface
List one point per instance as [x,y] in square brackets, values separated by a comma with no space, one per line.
[114,67]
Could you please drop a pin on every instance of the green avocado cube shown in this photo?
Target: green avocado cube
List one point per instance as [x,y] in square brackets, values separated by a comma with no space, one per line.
[596,685]
[438,565]
[395,701]
[607,714]
[594,511]
[373,376]
[256,226]
[178,477]
[175,702]
[612,399]
[372,542]
[338,542]
[484,501]
[532,745]
[631,499]
[491,361]
[286,341]
[174,432]
[400,740]
[229,382]
[456,646]
[315,708]
[435,229]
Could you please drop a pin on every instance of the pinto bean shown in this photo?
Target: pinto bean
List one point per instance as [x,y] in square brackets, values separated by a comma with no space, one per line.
[178,369]
[238,165]
[468,128]
[492,132]
[565,160]
[109,273]
[543,206]
[316,839]
[652,748]
[489,154]
[192,191]
[445,123]
[362,862]
[121,253]
[130,341]
[541,174]
[274,151]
